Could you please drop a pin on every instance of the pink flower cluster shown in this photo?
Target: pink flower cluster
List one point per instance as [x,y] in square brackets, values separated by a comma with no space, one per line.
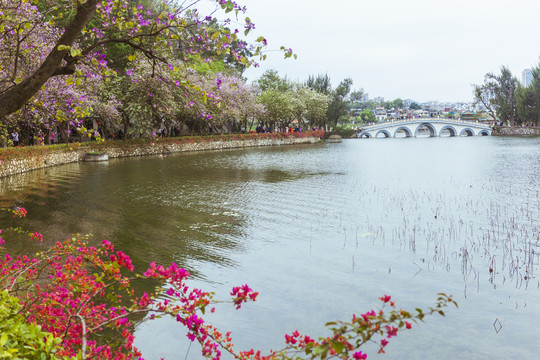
[242,294]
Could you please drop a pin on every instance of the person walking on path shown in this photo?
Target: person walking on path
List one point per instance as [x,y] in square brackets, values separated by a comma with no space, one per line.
[15,136]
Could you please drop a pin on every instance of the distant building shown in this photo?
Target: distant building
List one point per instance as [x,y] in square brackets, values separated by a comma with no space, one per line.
[468,115]
[355,111]
[421,113]
[526,77]
[407,103]
[380,113]
[430,105]
[378,99]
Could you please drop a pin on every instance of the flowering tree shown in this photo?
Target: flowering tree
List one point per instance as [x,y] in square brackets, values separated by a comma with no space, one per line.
[196,100]
[316,108]
[84,29]
[227,102]
[63,105]
[291,103]
[77,293]
[309,106]
[279,107]
[147,102]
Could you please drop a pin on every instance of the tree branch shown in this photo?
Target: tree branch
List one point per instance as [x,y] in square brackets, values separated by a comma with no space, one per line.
[13,99]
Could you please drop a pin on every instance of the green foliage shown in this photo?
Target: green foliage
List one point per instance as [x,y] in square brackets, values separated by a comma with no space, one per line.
[117,56]
[415,106]
[370,105]
[343,131]
[338,105]
[367,116]
[279,106]
[528,100]
[316,108]
[357,95]
[527,103]
[295,102]
[498,95]
[271,80]
[395,104]
[320,83]
[22,340]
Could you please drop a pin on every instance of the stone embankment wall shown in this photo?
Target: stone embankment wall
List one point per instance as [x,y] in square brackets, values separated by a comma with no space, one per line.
[515,131]
[17,166]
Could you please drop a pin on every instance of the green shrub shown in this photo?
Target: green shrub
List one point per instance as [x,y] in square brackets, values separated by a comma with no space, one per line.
[22,340]
[343,131]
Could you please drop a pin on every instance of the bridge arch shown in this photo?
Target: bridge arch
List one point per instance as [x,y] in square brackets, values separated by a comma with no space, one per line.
[451,129]
[406,130]
[383,132]
[435,126]
[431,128]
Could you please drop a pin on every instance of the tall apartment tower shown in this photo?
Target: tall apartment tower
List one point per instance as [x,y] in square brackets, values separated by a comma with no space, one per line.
[526,77]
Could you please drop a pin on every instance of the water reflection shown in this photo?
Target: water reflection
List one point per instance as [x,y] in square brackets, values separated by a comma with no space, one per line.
[321,231]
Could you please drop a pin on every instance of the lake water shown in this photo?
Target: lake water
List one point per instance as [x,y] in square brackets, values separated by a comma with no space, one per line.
[321,232]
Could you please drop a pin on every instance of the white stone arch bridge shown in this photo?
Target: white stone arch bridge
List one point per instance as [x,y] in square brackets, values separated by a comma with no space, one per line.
[434,126]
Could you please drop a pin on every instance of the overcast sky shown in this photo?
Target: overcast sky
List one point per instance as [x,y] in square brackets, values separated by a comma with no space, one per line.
[419,49]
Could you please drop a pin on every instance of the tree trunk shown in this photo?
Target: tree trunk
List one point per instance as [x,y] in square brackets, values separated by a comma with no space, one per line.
[491,112]
[62,133]
[125,127]
[538,118]
[48,137]
[250,125]
[13,99]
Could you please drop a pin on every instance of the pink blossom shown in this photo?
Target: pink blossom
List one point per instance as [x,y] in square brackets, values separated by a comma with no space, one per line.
[359,355]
